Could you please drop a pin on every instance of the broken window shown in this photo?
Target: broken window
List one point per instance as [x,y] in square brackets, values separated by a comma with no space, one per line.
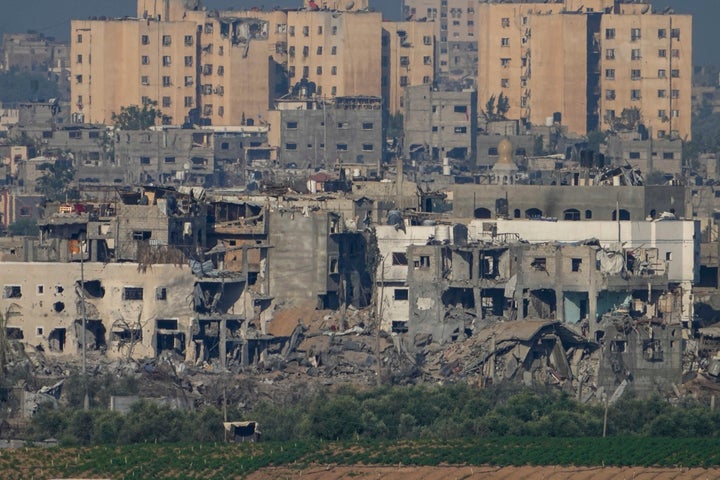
[141,235]
[161,293]
[58,307]
[618,346]
[132,293]
[652,350]
[94,289]
[401,294]
[576,264]
[166,324]
[56,340]
[571,214]
[399,258]
[334,265]
[94,334]
[12,291]
[14,333]
[424,262]
[399,326]
[539,263]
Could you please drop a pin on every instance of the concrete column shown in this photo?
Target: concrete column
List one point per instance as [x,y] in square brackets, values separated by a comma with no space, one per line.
[223,341]
[559,305]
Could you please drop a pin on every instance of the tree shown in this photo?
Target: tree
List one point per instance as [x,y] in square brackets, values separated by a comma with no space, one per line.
[496,108]
[56,179]
[136,118]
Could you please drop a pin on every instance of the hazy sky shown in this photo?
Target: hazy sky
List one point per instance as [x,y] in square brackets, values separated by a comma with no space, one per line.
[52,17]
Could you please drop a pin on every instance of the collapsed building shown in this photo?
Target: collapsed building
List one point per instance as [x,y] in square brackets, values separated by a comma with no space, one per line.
[629,304]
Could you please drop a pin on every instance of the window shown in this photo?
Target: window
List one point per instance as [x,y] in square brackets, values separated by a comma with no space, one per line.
[505,42]
[427,40]
[609,33]
[208,28]
[662,114]
[504,82]
[609,94]
[306,51]
[189,40]
[460,129]
[662,93]
[635,34]
[333,51]
[166,40]
[291,146]
[505,22]
[635,94]
[161,293]
[78,78]
[610,54]
[169,159]
[575,264]
[306,72]
[319,50]
[675,73]
[635,54]
[145,60]
[401,294]
[145,80]
[460,109]
[291,71]
[318,70]
[505,62]
[662,73]
[675,53]
[403,81]
[368,147]
[292,30]
[221,70]
[342,147]
[145,40]
[291,51]
[539,263]
[166,81]
[662,33]
[189,81]
[675,113]
[306,31]
[404,61]
[343,125]
[610,74]
[662,53]
[367,126]
[75,134]
[668,155]
[12,291]
[399,258]
[320,30]
[188,102]
[291,125]
[79,38]
[166,61]
[675,94]
[675,33]
[188,61]
[427,60]
[166,102]
[635,74]
[132,293]
[144,160]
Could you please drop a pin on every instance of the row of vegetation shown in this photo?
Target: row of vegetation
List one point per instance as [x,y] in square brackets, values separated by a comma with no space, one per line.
[390,413]
[222,460]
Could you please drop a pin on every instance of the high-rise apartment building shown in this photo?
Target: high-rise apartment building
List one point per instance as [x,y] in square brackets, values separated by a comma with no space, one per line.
[219,68]
[582,63]
[455,24]
[338,52]
[408,58]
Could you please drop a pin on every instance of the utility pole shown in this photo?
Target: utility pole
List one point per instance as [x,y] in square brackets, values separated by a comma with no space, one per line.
[86,400]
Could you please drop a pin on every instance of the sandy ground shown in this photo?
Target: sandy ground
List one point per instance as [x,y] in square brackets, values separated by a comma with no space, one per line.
[484,473]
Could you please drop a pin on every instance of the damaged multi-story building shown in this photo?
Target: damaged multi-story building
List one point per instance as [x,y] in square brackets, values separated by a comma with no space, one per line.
[623,288]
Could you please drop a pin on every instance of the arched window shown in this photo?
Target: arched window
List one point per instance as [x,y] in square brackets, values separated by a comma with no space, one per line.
[482,213]
[533,213]
[588,214]
[624,215]
[516,213]
[571,214]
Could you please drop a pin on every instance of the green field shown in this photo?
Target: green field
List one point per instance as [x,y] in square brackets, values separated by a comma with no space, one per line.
[222,461]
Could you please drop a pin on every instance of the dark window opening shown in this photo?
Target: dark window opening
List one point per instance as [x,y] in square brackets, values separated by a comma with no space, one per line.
[12,291]
[399,326]
[144,235]
[132,293]
[56,340]
[161,293]
[14,333]
[399,258]
[58,307]
[166,324]
[401,294]
[539,264]
[576,264]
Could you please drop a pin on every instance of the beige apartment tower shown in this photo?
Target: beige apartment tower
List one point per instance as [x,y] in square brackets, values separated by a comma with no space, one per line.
[338,52]
[581,63]
[408,59]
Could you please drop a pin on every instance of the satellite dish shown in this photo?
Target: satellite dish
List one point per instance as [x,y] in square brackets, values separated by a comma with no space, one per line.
[349,5]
